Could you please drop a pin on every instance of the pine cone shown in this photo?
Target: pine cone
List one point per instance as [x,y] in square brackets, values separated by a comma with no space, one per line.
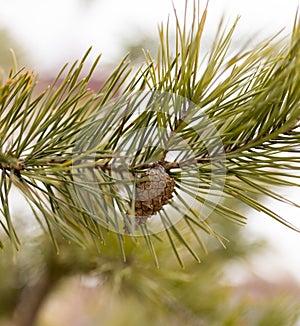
[152,192]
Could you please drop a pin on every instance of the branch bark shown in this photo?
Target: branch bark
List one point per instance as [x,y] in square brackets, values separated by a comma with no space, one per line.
[32,299]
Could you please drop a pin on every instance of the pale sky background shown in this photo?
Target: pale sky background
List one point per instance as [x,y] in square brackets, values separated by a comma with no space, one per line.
[53,32]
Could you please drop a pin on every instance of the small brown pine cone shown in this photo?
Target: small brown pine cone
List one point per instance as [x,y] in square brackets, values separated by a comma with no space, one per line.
[154,190]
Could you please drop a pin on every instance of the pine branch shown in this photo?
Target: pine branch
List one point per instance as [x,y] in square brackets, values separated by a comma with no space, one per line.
[187,131]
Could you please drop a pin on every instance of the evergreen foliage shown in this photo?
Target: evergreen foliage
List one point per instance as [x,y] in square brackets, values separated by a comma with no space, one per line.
[222,126]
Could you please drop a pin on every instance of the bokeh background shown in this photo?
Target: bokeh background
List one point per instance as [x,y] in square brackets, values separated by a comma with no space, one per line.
[47,34]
